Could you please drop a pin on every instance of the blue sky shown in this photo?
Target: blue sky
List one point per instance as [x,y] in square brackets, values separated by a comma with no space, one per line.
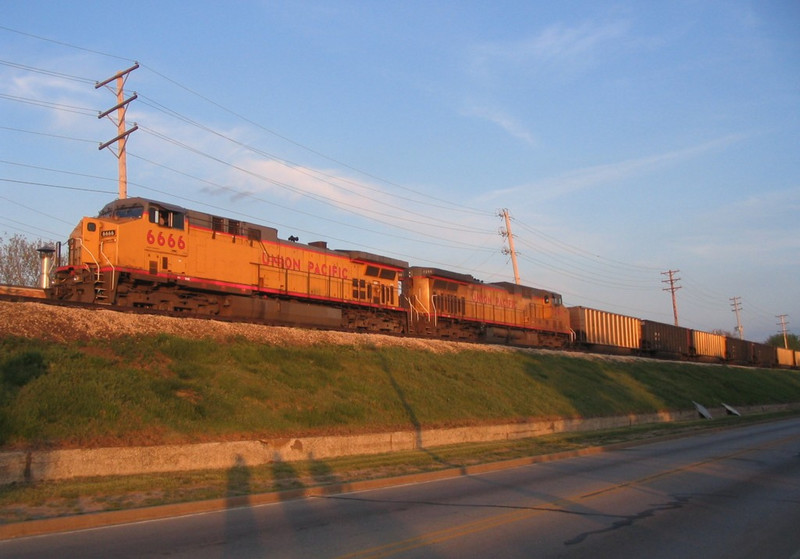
[625,138]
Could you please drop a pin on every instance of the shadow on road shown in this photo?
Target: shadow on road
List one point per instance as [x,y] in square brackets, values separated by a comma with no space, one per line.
[241,529]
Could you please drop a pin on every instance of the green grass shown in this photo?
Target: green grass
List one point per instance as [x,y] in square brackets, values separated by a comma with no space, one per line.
[165,389]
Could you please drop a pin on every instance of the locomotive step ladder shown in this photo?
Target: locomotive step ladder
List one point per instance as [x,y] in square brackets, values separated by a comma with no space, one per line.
[100,295]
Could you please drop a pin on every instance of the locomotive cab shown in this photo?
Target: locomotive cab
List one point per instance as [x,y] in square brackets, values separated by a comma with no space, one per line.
[127,234]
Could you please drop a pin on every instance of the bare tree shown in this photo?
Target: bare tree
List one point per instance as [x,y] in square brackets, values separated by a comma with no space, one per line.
[19,261]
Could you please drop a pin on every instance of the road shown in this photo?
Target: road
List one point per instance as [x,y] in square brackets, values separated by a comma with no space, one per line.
[732,493]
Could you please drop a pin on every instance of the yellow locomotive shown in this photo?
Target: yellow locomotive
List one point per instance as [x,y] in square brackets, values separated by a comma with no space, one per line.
[147,254]
[457,306]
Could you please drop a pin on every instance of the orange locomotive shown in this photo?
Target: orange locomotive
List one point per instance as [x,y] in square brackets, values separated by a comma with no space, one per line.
[457,306]
[147,254]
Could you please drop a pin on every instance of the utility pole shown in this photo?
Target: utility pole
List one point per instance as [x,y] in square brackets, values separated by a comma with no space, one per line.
[672,288]
[122,135]
[784,324]
[510,250]
[737,306]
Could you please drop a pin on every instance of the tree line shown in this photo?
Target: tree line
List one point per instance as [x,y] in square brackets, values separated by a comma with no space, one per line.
[19,261]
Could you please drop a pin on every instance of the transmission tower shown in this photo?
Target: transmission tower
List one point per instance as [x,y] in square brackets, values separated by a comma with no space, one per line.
[737,306]
[672,289]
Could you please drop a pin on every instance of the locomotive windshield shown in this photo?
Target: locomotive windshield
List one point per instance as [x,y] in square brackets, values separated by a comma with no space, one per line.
[121,212]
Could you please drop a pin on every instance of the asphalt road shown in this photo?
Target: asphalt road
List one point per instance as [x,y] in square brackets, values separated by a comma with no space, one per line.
[732,493]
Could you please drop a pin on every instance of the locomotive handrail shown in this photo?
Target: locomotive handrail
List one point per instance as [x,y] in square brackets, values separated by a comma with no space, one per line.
[96,263]
[425,311]
[413,313]
[113,269]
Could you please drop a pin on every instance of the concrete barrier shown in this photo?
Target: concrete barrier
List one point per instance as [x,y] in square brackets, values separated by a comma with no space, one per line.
[41,465]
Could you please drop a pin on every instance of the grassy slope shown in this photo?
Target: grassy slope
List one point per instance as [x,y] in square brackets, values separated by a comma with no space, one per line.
[165,389]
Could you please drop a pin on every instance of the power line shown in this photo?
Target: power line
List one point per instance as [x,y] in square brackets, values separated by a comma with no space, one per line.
[449,203]
[595,258]
[41,103]
[62,43]
[26,231]
[302,169]
[59,136]
[34,210]
[44,71]
[342,205]
[58,186]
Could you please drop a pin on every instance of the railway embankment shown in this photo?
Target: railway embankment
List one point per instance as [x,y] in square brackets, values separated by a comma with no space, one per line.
[96,392]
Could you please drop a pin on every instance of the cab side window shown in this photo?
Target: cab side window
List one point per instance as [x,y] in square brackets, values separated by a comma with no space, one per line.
[166,218]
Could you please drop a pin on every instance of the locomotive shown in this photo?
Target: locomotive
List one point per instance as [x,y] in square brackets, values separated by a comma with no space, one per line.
[145,254]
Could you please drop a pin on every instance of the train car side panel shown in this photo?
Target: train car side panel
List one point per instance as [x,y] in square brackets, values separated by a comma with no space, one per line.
[738,351]
[665,340]
[764,355]
[600,328]
[708,347]
[785,357]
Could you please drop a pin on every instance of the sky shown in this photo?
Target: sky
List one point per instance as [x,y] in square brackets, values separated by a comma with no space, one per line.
[625,138]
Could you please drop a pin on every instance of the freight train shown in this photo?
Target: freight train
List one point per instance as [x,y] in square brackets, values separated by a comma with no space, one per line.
[145,254]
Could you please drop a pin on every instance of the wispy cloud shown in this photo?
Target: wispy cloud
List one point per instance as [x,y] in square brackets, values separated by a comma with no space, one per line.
[501,118]
[494,68]
[555,46]
[602,175]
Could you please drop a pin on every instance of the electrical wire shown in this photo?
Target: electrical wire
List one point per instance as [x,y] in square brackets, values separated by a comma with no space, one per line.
[316,174]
